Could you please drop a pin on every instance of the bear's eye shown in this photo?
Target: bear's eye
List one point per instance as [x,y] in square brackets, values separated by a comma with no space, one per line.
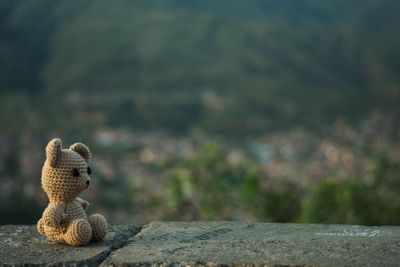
[89,171]
[76,173]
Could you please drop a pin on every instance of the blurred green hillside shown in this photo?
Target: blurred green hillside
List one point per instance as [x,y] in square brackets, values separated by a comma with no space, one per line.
[283,111]
[232,67]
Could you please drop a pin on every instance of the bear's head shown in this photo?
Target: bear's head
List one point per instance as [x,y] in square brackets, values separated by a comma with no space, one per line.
[65,173]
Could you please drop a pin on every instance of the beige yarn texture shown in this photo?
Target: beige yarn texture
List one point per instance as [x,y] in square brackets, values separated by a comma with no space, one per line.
[65,220]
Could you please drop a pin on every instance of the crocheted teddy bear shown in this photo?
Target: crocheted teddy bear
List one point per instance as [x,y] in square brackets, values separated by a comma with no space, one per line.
[65,175]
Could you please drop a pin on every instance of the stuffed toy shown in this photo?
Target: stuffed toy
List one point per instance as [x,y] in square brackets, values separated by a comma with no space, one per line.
[65,175]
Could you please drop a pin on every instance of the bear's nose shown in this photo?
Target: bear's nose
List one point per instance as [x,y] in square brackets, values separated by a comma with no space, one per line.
[87,183]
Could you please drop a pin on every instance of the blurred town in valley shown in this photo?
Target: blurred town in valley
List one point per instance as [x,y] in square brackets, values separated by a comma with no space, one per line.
[276,111]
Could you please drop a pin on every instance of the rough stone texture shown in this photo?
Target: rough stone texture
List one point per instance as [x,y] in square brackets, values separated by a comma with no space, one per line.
[211,243]
[239,243]
[22,246]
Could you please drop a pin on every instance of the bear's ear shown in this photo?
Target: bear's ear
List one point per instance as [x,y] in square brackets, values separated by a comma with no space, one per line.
[82,150]
[53,151]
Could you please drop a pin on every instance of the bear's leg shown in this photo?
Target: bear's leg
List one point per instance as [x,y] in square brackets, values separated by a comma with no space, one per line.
[79,233]
[40,227]
[99,226]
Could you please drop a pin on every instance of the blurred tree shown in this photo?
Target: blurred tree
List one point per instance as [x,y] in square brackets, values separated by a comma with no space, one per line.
[369,201]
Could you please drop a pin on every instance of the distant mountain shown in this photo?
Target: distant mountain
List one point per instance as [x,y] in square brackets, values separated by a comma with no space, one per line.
[222,65]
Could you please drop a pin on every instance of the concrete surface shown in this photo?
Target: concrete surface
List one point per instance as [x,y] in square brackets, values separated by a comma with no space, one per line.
[212,244]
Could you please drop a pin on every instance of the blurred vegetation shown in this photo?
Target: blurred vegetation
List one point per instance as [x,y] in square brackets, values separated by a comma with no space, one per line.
[371,200]
[98,71]
[211,187]
[208,181]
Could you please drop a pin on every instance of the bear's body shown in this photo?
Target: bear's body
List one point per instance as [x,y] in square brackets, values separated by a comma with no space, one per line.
[65,175]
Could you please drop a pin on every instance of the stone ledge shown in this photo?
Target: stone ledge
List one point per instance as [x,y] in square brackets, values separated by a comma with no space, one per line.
[211,243]
[23,246]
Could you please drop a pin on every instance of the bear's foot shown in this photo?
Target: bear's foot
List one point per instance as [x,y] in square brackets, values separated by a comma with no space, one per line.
[40,227]
[79,233]
[99,227]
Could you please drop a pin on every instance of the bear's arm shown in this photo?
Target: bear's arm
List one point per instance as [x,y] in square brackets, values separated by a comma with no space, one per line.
[83,203]
[54,214]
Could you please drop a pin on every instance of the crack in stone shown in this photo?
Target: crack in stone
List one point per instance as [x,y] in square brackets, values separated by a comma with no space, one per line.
[118,241]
